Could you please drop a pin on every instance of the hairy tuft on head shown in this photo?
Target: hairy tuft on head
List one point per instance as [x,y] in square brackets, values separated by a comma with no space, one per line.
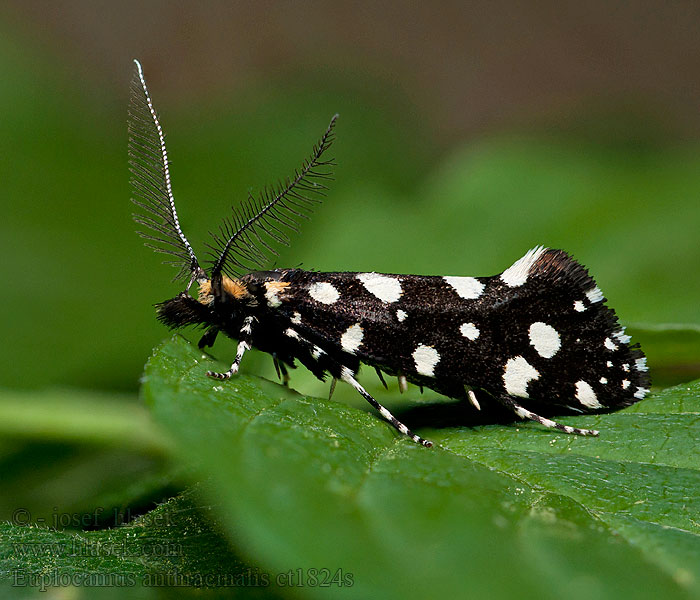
[183,310]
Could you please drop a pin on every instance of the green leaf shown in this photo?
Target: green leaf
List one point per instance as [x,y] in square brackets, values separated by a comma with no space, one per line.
[491,511]
[173,545]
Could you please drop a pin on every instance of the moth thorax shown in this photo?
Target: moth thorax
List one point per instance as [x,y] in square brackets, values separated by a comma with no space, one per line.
[230,287]
[205,295]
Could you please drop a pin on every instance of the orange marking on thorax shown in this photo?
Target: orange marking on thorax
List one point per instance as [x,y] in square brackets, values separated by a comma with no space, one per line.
[273,291]
[205,296]
[232,287]
[276,286]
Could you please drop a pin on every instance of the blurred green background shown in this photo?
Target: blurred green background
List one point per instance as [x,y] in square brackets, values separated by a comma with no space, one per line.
[468,134]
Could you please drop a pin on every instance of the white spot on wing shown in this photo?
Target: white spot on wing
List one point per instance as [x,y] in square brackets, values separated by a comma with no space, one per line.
[579,306]
[594,294]
[401,315]
[518,272]
[641,392]
[323,292]
[641,364]
[468,288]
[603,380]
[469,331]
[272,295]
[585,395]
[609,364]
[516,376]
[609,344]
[426,357]
[621,337]
[625,383]
[387,289]
[296,318]
[545,339]
[351,340]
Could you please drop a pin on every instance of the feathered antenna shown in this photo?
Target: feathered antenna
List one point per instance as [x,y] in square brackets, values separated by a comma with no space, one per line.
[243,240]
[150,181]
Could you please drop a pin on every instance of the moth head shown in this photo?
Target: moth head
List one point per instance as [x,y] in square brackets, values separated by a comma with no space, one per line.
[244,241]
[183,310]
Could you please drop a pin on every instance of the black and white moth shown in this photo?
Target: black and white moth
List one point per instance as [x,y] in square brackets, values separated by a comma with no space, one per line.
[538,334]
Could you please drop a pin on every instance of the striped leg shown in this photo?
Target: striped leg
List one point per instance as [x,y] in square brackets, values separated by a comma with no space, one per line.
[346,375]
[244,344]
[523,413]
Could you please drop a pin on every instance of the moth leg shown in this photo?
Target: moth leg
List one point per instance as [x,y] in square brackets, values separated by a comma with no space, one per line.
[244,344]
[208,339]
[508,402]
[472,398]
[346,375]
[281,370]
[381,378]
[403,383]
[285,374]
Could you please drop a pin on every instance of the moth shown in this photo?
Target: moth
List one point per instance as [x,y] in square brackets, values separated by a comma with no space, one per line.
[539,334]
